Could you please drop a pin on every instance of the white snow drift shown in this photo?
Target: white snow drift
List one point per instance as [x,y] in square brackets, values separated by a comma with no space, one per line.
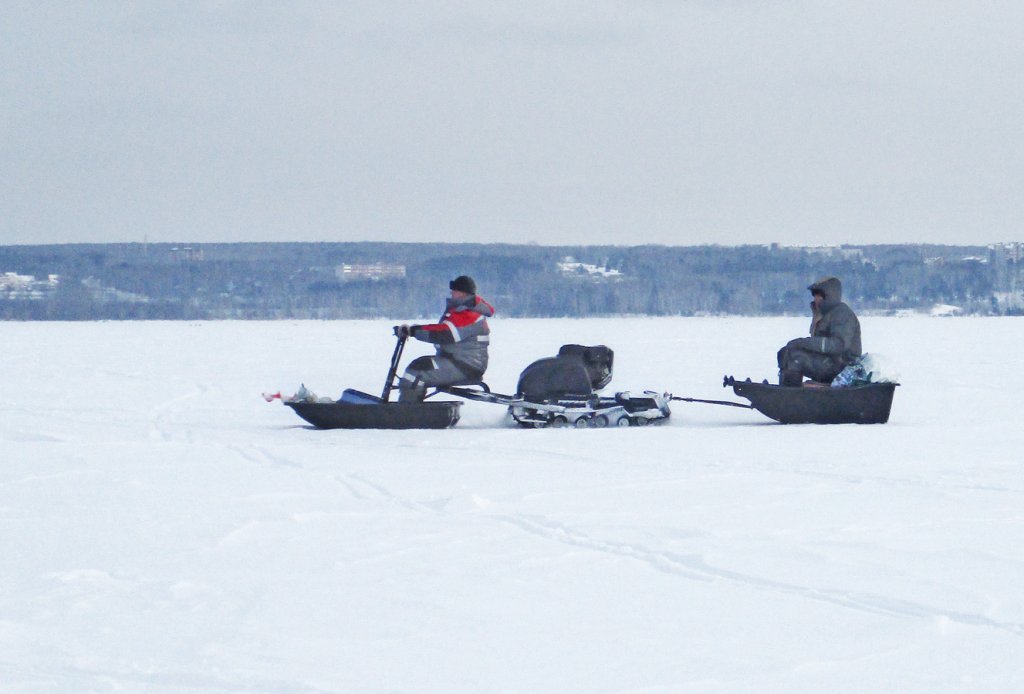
[163,529]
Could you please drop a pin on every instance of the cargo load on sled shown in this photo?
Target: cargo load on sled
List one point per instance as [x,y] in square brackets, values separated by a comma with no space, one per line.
[563,391]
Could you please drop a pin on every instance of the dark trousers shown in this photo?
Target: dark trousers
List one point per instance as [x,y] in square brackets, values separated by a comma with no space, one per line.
[814,365]
[425,372]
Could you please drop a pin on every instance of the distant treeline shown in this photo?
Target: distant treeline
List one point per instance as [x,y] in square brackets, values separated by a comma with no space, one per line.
[399,280]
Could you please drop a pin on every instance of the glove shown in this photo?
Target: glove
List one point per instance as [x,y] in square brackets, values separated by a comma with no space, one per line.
[402,330]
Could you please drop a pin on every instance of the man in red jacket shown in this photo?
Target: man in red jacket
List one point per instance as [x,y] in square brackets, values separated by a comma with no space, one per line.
[460,337]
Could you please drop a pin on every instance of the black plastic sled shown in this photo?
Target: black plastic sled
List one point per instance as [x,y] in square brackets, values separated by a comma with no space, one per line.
[863,404]
[378,415]
[358,410]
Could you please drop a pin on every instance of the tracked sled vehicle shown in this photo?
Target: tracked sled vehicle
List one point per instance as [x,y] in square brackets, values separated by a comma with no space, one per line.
[552,392]
[562,391]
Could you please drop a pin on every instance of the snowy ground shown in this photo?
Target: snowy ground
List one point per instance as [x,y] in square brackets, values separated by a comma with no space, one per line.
[163,529]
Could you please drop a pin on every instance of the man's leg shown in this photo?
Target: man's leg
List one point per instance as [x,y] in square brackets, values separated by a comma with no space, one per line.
[789,368]
[411,387]
[797,363]
[823,368]
[425,372]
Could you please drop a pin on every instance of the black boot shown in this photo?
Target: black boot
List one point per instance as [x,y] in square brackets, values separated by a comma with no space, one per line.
[791,378]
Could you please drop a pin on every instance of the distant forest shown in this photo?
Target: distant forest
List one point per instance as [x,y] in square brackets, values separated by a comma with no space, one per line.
[401,280]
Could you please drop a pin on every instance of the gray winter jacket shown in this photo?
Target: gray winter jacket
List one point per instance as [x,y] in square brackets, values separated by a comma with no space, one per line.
[462,334]
[837,333]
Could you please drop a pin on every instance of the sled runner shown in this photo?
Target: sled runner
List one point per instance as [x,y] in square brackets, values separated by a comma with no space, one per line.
[820,404]
[358,410]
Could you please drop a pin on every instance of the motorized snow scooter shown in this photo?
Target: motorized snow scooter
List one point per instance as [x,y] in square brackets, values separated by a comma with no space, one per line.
[552,392]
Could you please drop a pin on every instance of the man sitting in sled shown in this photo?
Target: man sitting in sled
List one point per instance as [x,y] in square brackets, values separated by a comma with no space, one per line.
[834,341]
[460,337]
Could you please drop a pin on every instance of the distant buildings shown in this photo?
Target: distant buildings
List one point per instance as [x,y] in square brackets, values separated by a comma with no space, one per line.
[104,294]
[372,271]
[1009,272]
[187,254]
[570,268]
[15,287]
[1006,252]
[841,252]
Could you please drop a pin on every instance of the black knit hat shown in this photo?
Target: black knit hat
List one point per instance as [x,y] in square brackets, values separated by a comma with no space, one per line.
[463,283]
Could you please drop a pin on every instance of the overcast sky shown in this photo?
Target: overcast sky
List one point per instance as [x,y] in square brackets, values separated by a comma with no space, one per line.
[590,121]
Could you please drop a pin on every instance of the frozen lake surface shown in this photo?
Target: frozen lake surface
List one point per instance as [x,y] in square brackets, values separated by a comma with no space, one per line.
[163,529]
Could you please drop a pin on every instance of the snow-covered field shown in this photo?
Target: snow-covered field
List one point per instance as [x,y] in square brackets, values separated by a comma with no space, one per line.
[163,529]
